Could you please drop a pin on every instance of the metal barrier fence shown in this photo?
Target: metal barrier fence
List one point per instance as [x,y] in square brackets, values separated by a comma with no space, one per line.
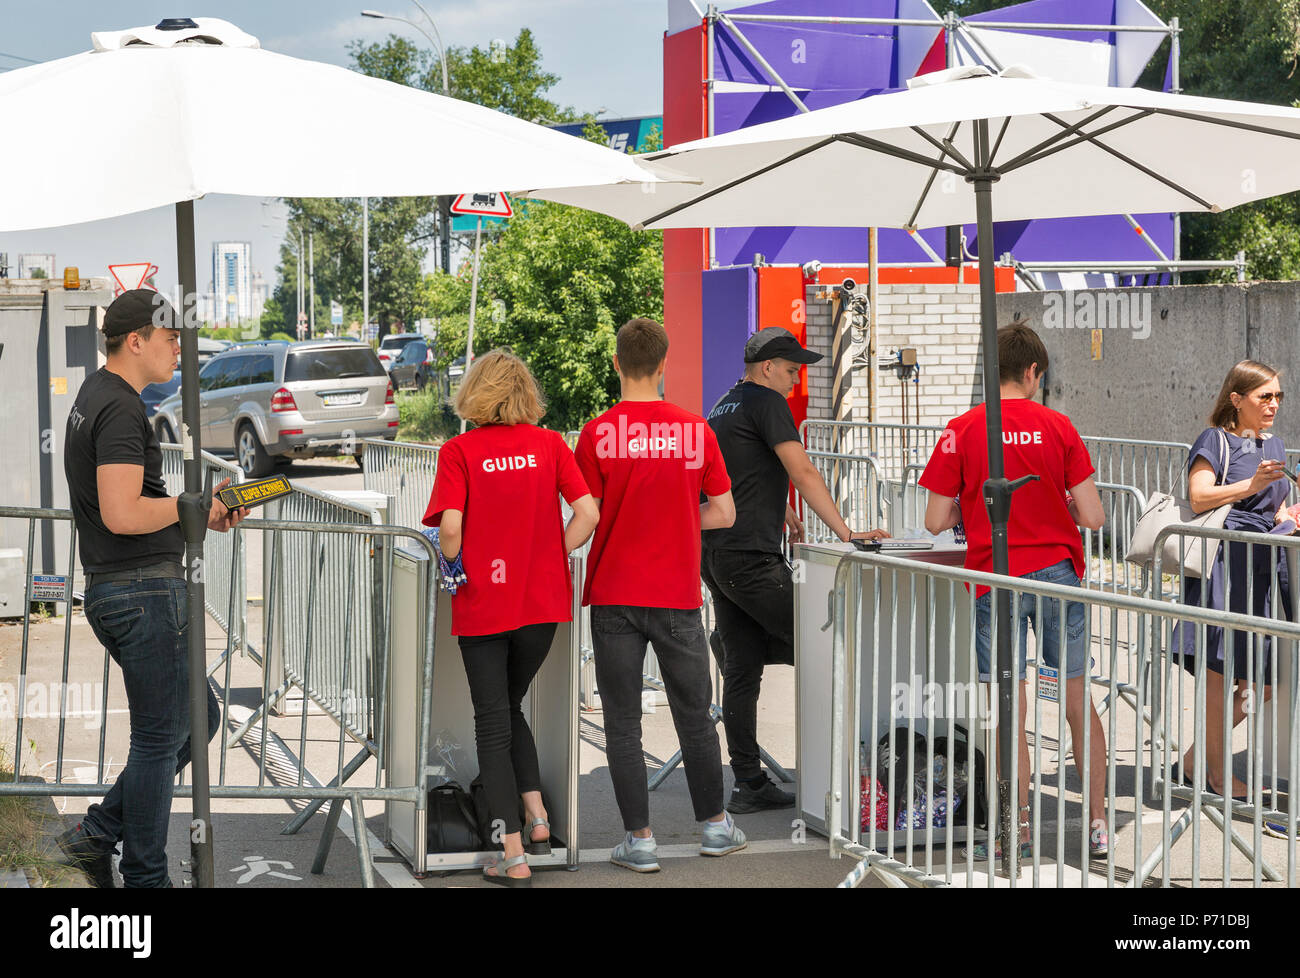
[51,691]
[403,471]
[1150,466]
[898,622]
[863,498]
[893,447]
[325,650]
[223,553]
[1265,677]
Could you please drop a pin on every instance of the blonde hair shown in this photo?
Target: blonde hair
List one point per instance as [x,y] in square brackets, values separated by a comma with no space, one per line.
[499,389]
[1246,376]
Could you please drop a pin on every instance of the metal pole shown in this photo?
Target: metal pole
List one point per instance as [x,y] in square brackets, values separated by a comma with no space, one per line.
[297,326]
[710,20]
[473,304]
[311,271]
[194,526]
[365,268]
[997,491]
[873,291]
[1176,50]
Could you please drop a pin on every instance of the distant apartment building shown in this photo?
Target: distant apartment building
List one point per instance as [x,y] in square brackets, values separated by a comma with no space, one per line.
[261,292]
[232,286]
[28,263]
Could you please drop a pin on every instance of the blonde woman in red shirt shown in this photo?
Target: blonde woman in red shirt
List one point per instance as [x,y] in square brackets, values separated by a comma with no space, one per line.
[496,502]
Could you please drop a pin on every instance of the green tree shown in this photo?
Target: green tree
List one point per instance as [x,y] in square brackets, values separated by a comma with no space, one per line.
[505,77]
[555,287]
[399,230]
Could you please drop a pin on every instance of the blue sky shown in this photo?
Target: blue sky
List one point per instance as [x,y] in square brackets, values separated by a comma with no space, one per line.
[608,54]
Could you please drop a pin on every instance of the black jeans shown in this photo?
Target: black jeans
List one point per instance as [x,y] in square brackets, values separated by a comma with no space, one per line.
[619,634]
[500,668]
[144,625]
[753,608]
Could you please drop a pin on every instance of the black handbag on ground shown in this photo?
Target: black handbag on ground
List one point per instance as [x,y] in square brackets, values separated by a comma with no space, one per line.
[452,825]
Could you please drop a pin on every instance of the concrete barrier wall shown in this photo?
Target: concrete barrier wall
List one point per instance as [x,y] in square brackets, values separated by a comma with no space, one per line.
[1148,363]
[1125,363]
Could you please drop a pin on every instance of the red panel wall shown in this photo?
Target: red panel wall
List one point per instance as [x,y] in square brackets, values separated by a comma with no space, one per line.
[685,251]
[781,303]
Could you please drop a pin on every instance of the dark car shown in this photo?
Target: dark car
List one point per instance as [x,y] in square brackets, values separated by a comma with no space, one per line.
[155,394]
[412,366]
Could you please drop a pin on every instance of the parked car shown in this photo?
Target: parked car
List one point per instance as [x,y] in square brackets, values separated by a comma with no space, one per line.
[274,399]
[210,348]
[412,367]
[390,346]
[155,394]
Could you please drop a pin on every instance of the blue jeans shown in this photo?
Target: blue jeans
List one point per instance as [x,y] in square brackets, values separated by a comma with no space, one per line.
[1048,630]
[144,625]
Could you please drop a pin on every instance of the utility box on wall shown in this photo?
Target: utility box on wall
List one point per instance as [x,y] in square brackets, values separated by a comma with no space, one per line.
[49,344]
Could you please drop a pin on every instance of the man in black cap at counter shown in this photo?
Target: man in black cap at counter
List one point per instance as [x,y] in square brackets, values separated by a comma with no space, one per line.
[743,565]
[132,551]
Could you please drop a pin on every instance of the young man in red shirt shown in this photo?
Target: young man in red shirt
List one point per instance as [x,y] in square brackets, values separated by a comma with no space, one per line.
[647,462]
[1042,541]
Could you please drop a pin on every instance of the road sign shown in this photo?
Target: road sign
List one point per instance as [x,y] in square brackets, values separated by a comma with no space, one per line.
[336,313]
[483,205]
[132,275]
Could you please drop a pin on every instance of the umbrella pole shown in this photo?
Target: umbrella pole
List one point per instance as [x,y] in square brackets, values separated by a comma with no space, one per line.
[997,498]
[193,509]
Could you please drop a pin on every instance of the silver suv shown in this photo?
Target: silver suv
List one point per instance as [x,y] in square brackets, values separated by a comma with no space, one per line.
[292,400]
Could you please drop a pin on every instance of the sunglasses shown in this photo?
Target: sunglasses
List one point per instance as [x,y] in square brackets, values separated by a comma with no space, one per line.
[1269,396]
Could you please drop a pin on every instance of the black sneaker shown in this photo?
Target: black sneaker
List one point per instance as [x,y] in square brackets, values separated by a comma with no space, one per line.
[87,853]
[746,799]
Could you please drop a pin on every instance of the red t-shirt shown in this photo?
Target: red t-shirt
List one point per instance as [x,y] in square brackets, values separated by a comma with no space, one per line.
[647,462]
[1037,440]
[507,480]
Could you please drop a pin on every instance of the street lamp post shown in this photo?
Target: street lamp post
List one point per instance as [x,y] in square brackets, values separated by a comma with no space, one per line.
[444,202]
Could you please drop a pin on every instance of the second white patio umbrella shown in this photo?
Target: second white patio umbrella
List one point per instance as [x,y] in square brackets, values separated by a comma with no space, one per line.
[905,159]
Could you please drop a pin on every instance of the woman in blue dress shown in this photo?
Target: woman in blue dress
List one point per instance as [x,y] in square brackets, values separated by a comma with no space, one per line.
[1256,486]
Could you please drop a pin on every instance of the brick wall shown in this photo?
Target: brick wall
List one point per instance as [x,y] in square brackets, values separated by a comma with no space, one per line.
[941,322]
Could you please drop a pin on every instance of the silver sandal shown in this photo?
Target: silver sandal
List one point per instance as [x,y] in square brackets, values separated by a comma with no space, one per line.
[542,848]
[502,867]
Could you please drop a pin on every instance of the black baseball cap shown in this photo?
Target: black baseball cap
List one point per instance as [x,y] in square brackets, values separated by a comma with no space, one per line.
[137,308]
[773,342]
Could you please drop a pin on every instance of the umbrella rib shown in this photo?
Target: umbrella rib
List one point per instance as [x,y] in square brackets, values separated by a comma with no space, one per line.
[739,180]
[1051,140]
[944,148]
[1138,166]
[998,142]
[1196,117]
[1024,160]
[865,142]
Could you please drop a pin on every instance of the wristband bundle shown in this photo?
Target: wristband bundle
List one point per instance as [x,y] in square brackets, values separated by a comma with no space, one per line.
[453,571]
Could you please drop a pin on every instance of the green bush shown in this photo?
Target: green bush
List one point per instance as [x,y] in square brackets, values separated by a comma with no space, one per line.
[425,417]
[281,336]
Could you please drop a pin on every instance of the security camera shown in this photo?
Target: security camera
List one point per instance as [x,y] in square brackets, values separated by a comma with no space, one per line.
[848,285]
[811,268]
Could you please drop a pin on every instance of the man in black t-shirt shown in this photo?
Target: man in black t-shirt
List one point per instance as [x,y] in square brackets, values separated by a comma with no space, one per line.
[135,600]
[743,565]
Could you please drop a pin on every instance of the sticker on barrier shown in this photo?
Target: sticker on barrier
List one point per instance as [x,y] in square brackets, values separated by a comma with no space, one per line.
[1049,684]
[49,587]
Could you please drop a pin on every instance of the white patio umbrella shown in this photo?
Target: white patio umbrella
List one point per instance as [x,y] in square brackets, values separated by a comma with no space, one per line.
[185,99]
[903,159]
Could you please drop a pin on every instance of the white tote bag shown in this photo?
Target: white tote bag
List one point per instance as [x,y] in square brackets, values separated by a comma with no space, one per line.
[1180,553]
